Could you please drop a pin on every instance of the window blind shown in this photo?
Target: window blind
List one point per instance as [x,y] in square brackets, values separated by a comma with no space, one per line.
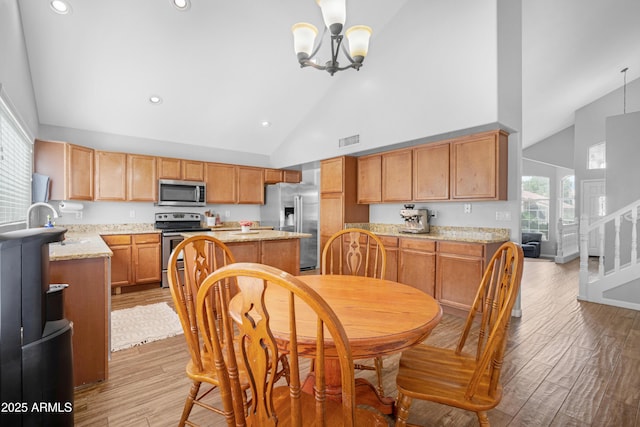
[15,166]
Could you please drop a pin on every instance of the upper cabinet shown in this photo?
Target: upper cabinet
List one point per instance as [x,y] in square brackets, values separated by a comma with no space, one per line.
[192,170]
[221,181]
[292,176]
[431,172]
[142,178]
[69,167]
[275,176]
[111,176]
[170,168]
[479,166]
[396,175]
[472,167]
[250,185]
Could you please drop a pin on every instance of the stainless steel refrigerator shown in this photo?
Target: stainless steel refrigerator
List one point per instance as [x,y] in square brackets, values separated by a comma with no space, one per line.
[294,207]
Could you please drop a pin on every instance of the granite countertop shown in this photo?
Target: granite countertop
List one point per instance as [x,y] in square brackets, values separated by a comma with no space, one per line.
[79,246]
[456,234]
[252,236]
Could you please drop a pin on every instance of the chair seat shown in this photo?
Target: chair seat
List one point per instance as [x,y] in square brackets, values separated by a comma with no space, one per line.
[440,375]
[333,412]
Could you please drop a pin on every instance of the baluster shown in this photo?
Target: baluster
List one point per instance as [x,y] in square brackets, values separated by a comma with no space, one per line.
[616,254]
[601,251]
[634,235]
[560,251]
[584,259]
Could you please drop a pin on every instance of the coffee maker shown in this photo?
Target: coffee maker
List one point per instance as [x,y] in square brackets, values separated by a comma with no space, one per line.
[415,220]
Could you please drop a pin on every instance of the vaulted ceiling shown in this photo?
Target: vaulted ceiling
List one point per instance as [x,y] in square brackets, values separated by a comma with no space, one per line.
[221,68]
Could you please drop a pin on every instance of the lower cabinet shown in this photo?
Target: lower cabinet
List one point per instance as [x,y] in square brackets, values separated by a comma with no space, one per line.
[448,271]
[86,304]
[283,254]
[136,260]
[417,264]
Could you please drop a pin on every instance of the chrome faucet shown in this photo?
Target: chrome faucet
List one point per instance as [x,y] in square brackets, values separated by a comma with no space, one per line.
[55,214]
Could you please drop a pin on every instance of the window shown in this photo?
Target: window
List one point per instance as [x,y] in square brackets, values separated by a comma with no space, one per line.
[567,199]
[15,167]
[535,205]
[598,156]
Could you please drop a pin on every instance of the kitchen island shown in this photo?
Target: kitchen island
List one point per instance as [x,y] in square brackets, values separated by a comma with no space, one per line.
[279,249]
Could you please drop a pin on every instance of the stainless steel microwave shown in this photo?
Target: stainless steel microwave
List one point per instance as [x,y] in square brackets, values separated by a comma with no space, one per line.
[181,193]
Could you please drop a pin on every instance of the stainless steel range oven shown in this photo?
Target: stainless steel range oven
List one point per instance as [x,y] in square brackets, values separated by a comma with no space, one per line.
[173,224]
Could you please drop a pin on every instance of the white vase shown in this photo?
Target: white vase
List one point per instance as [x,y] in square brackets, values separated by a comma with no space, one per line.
[245,228]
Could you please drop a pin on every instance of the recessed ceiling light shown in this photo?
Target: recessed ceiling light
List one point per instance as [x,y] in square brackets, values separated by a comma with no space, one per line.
[181,4]
[60,6]
[265,124]
[155,99]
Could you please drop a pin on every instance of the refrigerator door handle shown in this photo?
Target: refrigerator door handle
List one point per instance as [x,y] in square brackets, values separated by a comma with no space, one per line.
[298,213]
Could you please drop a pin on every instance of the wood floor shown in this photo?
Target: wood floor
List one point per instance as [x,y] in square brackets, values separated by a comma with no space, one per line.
[569,363]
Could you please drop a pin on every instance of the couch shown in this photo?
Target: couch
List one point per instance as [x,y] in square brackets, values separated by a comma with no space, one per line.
[531,244]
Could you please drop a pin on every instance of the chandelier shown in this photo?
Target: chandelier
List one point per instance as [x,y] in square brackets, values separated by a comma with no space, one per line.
[334,15]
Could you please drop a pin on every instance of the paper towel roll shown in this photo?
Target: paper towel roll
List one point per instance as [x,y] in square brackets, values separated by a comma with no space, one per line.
[70,206]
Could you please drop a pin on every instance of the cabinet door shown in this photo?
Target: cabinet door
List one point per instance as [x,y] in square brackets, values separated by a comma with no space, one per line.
[391,248]
[79,172]
[458,280]
[169,168]
[397,176]
[245,251]
[192,170]
[111,176]
[431,172]
[147,258]
[121,268]
[331,214]
[417,265]
[331,179]
[250,185]
[282,254]
[221,182]
[273,176]
[370,179]
[292,176]
[142,178]
[479,167]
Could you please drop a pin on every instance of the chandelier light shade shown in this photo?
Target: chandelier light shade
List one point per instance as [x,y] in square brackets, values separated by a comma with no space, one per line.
[334,16]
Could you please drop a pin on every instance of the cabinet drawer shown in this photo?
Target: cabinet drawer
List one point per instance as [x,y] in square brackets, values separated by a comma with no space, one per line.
[146,238]
[389,242]
[418,244]
[117,239]
[472,249]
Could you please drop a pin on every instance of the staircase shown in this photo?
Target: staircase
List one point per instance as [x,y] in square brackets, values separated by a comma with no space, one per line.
[612,276]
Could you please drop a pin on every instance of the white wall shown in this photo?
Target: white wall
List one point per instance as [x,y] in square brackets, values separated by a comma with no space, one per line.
[558,149]
[15,77]
[453,85]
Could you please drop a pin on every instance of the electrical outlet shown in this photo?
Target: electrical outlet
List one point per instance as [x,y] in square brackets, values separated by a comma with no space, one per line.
[434,213]
[132,213]
[467,208]
[227,214]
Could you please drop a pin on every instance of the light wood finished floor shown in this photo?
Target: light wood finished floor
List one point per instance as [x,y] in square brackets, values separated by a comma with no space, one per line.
[569,363]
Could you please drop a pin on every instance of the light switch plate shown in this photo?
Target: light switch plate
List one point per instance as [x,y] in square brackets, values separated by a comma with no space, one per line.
[467,208]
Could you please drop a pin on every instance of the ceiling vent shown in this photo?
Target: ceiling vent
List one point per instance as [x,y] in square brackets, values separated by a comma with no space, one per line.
[350,140]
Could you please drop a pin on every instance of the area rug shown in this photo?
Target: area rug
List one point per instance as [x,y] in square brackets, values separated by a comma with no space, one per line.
[143,324]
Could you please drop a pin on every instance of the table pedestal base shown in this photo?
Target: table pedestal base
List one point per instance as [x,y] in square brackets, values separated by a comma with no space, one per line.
[366,393]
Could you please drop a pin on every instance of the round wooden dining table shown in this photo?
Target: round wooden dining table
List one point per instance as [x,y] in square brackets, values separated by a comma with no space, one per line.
[380,318]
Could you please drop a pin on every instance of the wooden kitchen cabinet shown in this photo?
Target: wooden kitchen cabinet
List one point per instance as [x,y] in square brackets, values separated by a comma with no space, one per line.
[273,176]
[221,181]
[479,166]
[282,254]
[136,260]
[338,196]
[397,176]
[460,267]
[431,172]
[245,251]
[142,178]
[392,250]
[69,167]
[417,264]
[250,185]
[291,176]
[111,176]
[147,258]
[169,168]
[86,304]
[370,179]
[192,170]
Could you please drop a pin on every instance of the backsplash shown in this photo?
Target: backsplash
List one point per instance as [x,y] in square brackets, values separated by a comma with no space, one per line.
[463,233]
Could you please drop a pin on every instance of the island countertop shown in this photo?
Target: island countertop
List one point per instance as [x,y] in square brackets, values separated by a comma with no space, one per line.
[251,236]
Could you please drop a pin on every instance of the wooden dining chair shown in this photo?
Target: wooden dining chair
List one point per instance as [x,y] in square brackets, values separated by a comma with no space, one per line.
[200,255]
[467,377]
[277,404]
[356,252]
